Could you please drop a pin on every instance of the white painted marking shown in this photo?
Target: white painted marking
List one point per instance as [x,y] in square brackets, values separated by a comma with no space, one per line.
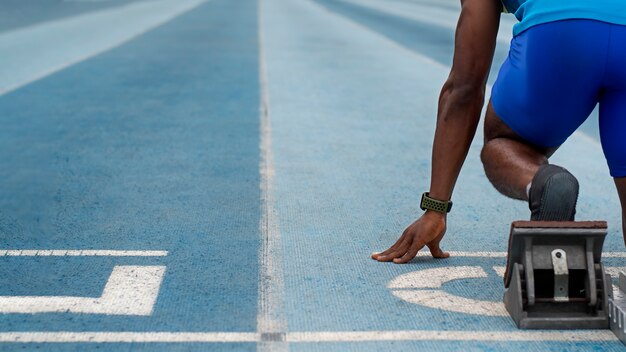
[438,299]
[614,272]
[410,287]
[423,287]
[271,314]
[78,253]
[130,290]
[432,335]
[127,337]
[435,277]
[503,254]
[478,254]
[500,270]
[31,53]
[298,337]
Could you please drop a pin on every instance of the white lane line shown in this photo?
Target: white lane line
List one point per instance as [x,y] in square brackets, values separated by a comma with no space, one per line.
[130,290]
[271,319]
[78,253]
[431,335]
[299,337]
[477,254]
[503,254]
[126,337]
[31,53]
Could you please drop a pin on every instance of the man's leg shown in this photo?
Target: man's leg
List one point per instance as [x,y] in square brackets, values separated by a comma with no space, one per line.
[621,190]
[520,170]
[510,162]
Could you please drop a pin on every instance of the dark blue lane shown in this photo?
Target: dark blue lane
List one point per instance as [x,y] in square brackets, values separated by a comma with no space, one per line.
[151,146]
[22,13]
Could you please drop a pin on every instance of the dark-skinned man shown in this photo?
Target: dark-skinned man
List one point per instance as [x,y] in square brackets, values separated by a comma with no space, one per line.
[566,56]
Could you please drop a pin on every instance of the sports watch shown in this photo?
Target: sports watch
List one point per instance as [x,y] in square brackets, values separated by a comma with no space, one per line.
[441,206]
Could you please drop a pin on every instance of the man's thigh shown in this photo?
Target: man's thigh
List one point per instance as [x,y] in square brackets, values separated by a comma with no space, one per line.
[496,128]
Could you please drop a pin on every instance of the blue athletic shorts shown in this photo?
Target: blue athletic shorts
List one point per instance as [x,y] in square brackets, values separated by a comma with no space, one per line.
[555,75]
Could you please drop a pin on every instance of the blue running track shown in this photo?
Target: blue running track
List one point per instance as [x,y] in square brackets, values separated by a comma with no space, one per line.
[213,175]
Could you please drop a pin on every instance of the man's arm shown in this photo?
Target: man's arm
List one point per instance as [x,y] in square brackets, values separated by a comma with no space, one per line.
[460,104]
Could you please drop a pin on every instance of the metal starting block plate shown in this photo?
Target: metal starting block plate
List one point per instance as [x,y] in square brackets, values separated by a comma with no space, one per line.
[554,275]
[617,310]
[560,234]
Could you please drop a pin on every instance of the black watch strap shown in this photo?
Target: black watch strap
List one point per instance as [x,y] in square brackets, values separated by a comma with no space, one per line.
[442,206]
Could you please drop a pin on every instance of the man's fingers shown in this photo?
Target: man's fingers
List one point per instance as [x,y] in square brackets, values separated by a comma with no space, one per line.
[436,252]
[395,254]
[398,243]
[409,255]
[393,248]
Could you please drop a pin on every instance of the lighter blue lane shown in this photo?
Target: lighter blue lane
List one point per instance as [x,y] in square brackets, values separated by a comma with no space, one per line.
[352,123]
[151,146]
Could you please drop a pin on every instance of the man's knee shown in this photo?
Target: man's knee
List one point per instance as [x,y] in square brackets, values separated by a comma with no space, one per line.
[489,153]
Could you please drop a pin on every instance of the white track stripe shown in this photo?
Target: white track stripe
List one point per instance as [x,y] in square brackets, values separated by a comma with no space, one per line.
[128,337]
[430,335]
[270,317]
[78,253]
[130,290]
[503,254]
[295,337]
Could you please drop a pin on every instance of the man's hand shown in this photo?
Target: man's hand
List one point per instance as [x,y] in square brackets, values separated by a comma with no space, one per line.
[428,231]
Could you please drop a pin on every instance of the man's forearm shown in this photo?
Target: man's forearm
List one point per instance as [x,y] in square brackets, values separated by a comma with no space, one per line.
[463,94]
[457,120]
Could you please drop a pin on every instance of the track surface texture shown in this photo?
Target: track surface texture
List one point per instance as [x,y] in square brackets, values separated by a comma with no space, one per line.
[211,175]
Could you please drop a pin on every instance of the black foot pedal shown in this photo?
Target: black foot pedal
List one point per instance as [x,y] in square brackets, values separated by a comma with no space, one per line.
[554,278]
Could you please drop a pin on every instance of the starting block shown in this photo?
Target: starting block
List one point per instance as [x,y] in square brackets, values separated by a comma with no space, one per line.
[554,278]
[617,310]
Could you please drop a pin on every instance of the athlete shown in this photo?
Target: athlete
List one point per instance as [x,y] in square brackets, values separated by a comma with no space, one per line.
[565,57]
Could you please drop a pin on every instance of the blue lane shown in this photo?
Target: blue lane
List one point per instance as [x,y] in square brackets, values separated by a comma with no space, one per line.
[352,123]
[151,146]
[16,14]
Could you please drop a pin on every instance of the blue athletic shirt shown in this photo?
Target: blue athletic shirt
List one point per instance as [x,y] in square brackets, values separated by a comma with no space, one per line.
[533,12]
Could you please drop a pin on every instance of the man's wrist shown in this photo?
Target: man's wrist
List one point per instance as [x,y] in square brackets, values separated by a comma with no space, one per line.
[435,214]
[429,203]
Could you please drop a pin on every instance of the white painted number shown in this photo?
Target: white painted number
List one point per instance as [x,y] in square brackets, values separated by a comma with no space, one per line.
[130,290]
[424,287]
